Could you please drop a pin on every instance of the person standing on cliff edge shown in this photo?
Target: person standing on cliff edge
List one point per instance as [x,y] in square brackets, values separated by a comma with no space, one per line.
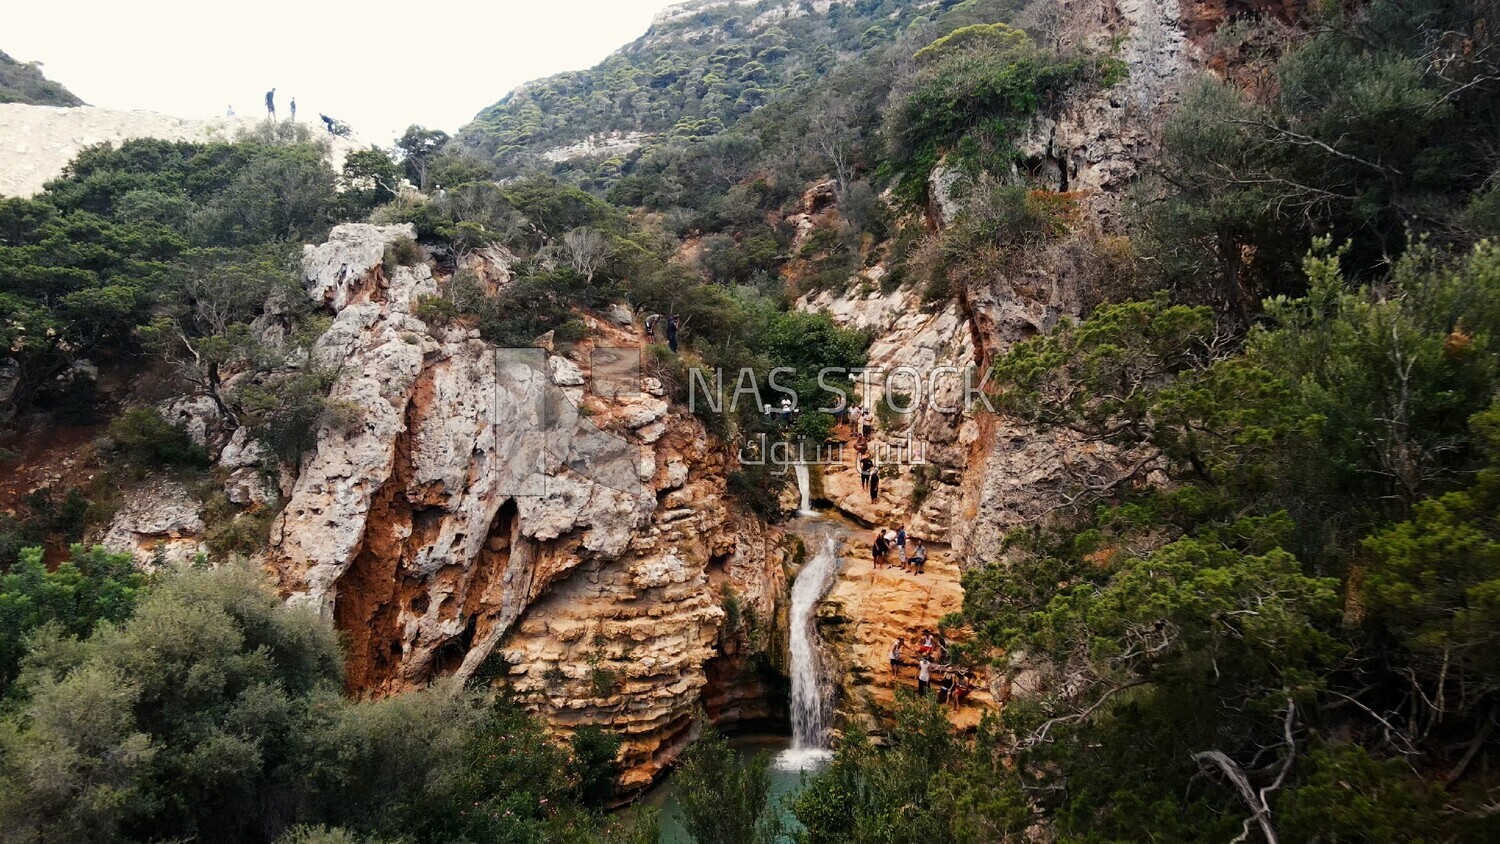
[271,104]
[293,106]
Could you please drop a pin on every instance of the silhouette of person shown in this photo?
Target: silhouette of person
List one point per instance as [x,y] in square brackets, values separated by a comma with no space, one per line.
[672,333]
[293,106]
[271,104]
[327,121]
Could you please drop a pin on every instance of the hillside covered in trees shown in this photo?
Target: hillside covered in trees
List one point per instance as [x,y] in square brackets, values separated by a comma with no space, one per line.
[1262,601]
[21,82]
[701,68]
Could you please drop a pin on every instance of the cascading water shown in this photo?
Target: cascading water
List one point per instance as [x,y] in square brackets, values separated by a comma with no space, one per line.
[804,486]
[810,687]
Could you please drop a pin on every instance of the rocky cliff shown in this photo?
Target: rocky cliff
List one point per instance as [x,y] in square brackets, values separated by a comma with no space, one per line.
[501,513]
[975,475]
[956,474]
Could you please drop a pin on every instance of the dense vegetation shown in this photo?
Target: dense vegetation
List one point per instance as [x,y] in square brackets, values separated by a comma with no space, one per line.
[23,82]
[216,712]
[1272,615]
[692,76]
[1274,611]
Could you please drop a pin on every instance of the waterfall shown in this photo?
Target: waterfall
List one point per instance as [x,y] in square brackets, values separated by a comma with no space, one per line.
[810,704]
[804,486]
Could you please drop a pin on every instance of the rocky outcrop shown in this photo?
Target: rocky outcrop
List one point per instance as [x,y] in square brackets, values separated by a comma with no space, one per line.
[607,145]
[1093,148]
[160,524]
[864,613]
[498,512]
[37,142]
[981,474]
[626,642]
[922,356]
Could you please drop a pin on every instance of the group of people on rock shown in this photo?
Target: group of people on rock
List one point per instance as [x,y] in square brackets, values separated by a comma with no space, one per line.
[954,684]
[888,543]
[861,423]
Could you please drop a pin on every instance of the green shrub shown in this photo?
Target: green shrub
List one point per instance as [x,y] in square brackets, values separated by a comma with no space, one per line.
[232,531]
[971,95]
[760,489]
[437,310]
[91,586]
[43,519]
[403,252]
[603,682]
[724,800]
[592,765]
[286,414]
[143,436]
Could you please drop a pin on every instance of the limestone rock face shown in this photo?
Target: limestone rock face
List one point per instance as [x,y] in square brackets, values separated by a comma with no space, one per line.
[924,357]
[484,510]
[970,475]
[1093,149]
[161,523]
[866,610]
[1096,144]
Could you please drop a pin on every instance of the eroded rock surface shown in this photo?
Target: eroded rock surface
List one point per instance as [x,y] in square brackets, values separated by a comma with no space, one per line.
[483,510]
[160,524]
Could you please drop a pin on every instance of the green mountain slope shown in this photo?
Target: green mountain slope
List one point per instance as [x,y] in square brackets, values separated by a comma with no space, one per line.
[701,67]
[23,82]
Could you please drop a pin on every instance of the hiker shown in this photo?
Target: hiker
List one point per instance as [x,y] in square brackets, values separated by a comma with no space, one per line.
[878,549]
[929,644]
[229,112]
[874,487]
[866,423]
[651,326]
[786,411]
[918,558]
[946,687]
[672,332]
[327,121]
[896,656]
[271,104]
[924,676]
[961,690]
[900,543]
[293,106]
[866,471]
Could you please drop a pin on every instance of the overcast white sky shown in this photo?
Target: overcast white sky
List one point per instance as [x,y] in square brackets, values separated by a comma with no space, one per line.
[377,65]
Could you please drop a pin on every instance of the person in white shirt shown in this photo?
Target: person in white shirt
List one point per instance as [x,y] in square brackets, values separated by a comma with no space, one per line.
[924,676]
